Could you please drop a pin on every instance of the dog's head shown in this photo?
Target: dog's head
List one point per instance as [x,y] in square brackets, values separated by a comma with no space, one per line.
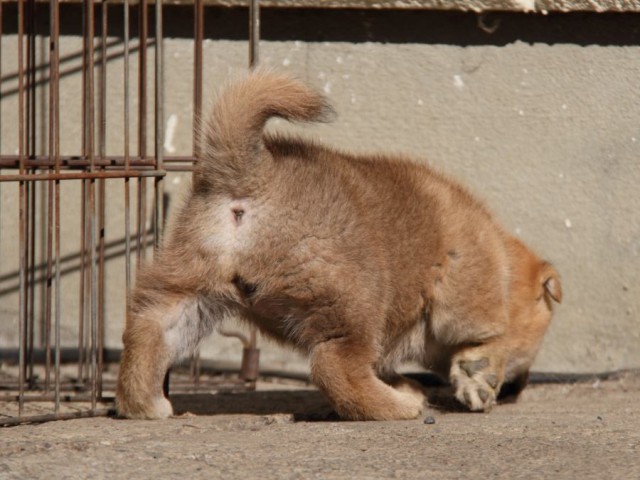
[532,302]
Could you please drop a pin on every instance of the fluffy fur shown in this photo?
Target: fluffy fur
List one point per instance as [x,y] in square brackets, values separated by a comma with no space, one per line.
[362,261]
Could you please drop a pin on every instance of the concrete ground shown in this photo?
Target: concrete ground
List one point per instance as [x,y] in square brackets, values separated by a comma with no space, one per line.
[581,430]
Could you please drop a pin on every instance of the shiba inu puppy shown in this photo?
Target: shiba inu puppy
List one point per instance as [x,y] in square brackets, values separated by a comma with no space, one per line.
[361,261]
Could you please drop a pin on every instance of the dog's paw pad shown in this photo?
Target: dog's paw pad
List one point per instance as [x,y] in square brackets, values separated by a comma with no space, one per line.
[476,385]
[492,380]
[484,396]
[473,366]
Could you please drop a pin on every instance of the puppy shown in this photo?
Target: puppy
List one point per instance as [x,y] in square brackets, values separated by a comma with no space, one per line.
[361,261]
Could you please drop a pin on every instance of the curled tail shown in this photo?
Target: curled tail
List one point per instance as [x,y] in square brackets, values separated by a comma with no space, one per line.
[232,143]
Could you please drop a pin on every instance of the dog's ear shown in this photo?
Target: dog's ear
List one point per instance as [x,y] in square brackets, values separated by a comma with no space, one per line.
[551,282]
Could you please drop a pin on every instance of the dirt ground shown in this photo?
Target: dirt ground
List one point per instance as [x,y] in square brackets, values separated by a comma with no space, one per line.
[583,430]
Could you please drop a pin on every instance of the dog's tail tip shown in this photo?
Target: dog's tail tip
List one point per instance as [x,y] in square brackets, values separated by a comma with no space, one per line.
[232,137]
[282,95]
[327,114]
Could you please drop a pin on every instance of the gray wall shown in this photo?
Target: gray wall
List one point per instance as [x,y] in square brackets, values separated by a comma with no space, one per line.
[543,124]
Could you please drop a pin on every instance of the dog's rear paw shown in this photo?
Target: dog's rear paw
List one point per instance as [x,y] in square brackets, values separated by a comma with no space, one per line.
[476,383]
[409,406]
[156,409]
[409,387]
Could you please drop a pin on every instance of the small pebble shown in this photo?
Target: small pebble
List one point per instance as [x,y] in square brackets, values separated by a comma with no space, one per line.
[429,421]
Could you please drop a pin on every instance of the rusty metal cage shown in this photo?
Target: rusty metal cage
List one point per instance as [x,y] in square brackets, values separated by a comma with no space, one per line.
[55,196]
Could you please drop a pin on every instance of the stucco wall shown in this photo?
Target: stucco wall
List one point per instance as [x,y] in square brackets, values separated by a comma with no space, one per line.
[548,132]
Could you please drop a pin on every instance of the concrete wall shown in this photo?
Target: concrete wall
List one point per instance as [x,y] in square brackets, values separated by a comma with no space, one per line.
[541,119]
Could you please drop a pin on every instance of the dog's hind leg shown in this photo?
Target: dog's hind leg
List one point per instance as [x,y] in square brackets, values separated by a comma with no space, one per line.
[156,335]
[343,369]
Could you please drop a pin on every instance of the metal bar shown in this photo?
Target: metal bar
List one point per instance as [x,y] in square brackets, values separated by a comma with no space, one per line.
[1,33]
[31,104]
[92,340]
[126,85]
[140,220]
[127,160]
[159,134]
[90,95]
[42,161]
[93,293]
[27,218]
[46,198]
[251,354]
[103,81]
[83,214]
[30,189]
[143,31]
[82,283]
[101,282]
[84,79]
[91,208]
[93,222]
[143,216]
[31,260]
[198,29]
[54,65]
[41,397]
[22,205]
[53,46]
[178,168]
[58,302]
[127,233]
[198,33]
[254,32]
[79,162]
[48,293]
[57,416]
[82,176]
[246,342]
[48,305]
[83,222]
[102,198]
[143,27]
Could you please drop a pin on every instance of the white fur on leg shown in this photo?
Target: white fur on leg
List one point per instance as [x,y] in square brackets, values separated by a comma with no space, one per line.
[162,408]
[159,408]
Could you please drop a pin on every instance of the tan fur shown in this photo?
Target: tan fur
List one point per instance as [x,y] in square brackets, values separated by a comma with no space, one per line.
[361,261]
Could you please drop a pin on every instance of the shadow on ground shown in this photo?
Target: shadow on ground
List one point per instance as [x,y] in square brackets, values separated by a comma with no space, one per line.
[311,405]
[304,405]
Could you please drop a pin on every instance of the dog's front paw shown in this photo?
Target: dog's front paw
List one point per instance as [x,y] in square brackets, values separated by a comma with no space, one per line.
[476,383]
